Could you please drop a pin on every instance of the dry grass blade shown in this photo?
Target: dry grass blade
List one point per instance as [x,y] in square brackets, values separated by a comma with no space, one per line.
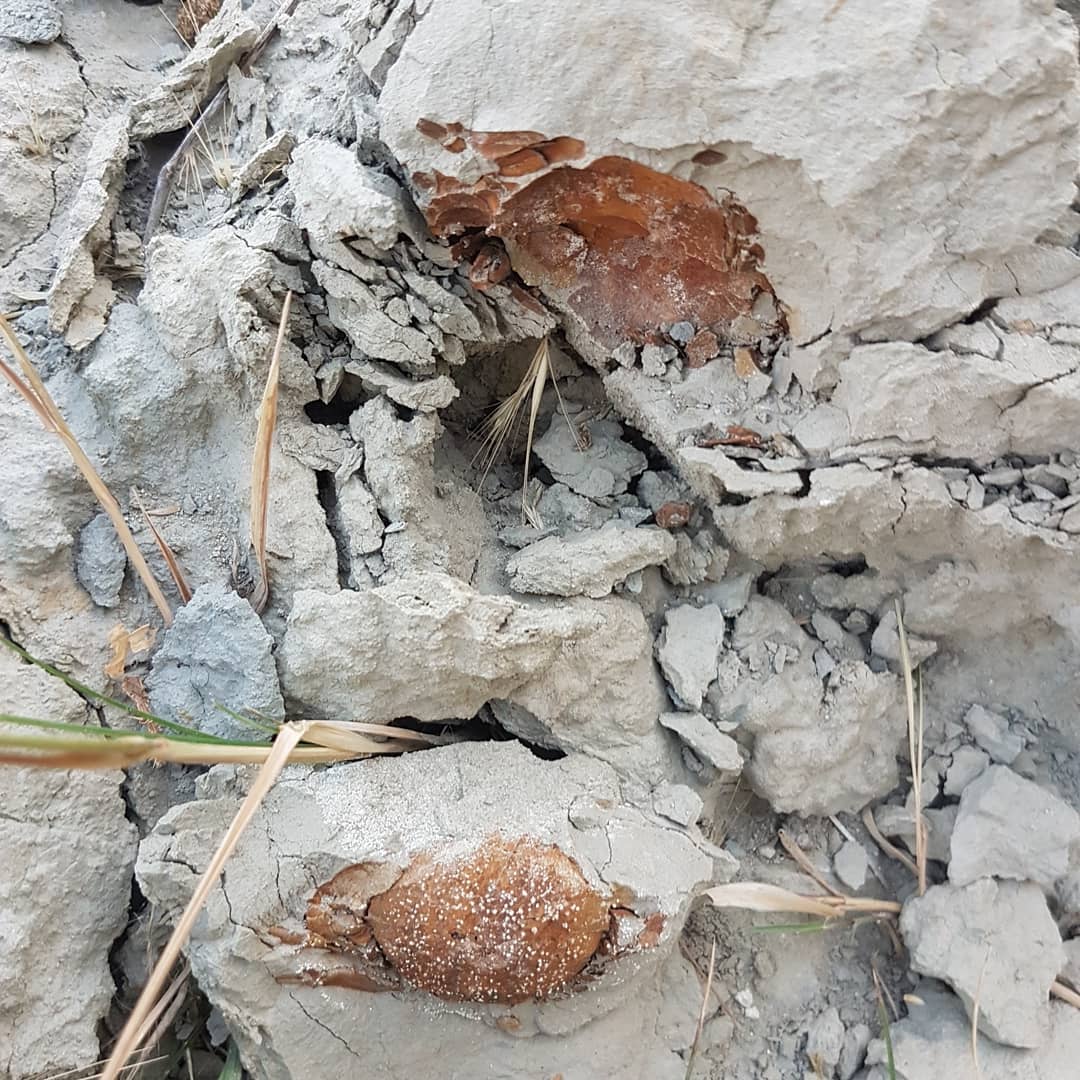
[758,896]
[1065,993]
[164,1012]
[498,425]
[94,752]
[886,1032]
[543,370]
[260,463]
[889,848]
[179,580]
[284,744]
[788,843]
[702,1014]
[915,749]
[359,737]
[41,401]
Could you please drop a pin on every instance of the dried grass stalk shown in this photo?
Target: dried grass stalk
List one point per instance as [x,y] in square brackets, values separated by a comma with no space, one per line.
[758,896]
[888,847]
[193,16]
[1064,993]
[40,400]
[167,554]
[691,1060]
[92,751]
[260,463]
[788,843]
[915,726]
[284,745]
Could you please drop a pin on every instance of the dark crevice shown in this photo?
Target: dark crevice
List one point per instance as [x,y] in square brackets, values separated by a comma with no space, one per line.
[335,411]
[981,312]
[850,567]
[326,490]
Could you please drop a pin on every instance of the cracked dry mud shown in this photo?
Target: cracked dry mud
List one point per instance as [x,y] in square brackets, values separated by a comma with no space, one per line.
[810,280]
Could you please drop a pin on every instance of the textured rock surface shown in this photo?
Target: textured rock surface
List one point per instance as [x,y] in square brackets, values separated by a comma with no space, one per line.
[807,484]
[313,824]
[216,653]
[817,747]
[588,563]
[31,22]
[712,746]
[688,650]
[935,1039]
[773,65]
[992,942]
[100,561]
[88,227]
[1009,827]
[351,655]
[68,852]
[602,468]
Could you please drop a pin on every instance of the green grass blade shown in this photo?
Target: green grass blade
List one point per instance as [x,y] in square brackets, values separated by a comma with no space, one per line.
[233,1070]
[94,732]
[886,1034]
[95,695]
[259,723]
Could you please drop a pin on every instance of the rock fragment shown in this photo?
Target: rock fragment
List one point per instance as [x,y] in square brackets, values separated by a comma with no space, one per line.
[825,1041]
[677,803]
[696,558]
[587,563]
[688,650]
[178,97]
[88,227]
[215,653]
[100,561]
[68,851]
[968,762]
[579,670]
[711,745]
[445,526]
[851,864]
[934,1039]
[819,747]
[604,467]
[339,199]
[991,731]
[885,642]
[712,470]
[1009,827]
[994,941]
[853,1052]
[386,813]
[423,395]
[30,22]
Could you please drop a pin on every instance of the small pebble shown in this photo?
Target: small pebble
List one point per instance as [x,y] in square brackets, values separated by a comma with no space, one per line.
[851,864]
[682,332]
[1002,478]
[991,731]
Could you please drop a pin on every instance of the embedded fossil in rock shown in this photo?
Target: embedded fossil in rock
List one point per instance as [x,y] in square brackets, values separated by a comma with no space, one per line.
[501,922]
[627,249]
